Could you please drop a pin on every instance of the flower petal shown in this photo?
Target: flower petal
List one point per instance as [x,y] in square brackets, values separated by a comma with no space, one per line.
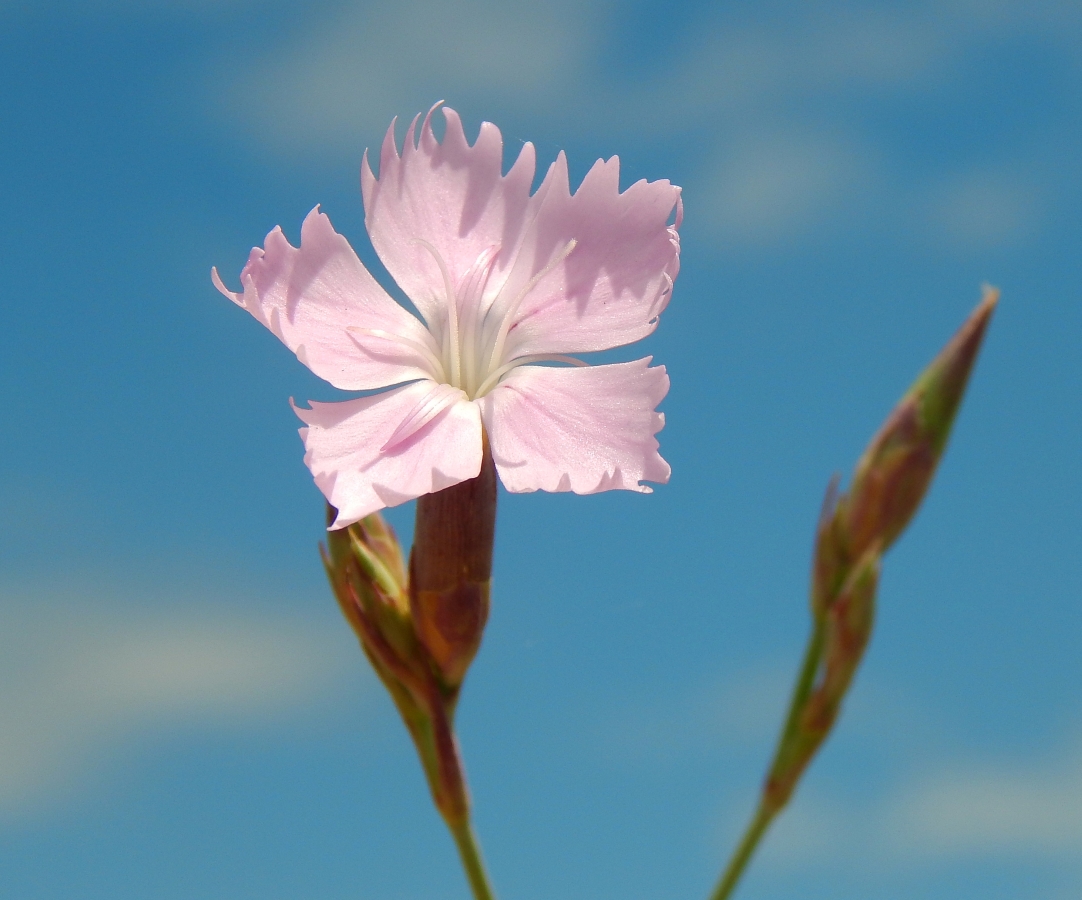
[583,430]
[616,281]
[343,440]
[323,304]
[450,195]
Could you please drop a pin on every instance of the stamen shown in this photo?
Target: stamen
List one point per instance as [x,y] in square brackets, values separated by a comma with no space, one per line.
[435,363]
[452,313]
[435,402]
[489,383]
[505,323]
[473,285]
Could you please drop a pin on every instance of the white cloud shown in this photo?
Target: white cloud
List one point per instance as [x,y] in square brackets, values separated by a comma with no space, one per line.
[336,85]
[758,69]
[84,677]
[930,806]
[985,209]
[339,85]
[982,810]
[128,8]
[775,184]
[945,812]
[770,108]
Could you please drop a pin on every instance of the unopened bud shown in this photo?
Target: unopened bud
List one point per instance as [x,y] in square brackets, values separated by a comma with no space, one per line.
[367,575]
[830,559]
[853,532]
[363,565]
[376,541]
[893,475]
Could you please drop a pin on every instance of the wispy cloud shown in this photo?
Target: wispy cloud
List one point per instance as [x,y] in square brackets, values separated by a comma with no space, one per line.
[985,208]
[39,8]
[770,186]
[946,813]
[768,109]
[982,809]
[82,678]
[930,806]
[337,86]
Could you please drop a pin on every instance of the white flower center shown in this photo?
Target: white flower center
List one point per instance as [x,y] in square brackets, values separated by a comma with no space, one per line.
[469,344]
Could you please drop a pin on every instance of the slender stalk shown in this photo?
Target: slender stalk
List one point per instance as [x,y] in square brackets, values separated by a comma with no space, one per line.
[470,852]
[756,829]
[772,800]
[855,530]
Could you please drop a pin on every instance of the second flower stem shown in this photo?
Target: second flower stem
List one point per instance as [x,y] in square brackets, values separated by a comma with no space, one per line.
[769,803]
[470,853]
[741,856]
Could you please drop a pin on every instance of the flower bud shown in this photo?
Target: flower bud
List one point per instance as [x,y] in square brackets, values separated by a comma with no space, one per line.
[367,575]
[854,531]
[363,565]
[893,475]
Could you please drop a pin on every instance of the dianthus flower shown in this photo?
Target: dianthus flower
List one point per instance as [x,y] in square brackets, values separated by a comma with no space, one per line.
[507,282]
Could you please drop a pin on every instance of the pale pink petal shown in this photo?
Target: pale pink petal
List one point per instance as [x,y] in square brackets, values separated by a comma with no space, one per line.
[343,440]
[449,195]
[614,283]
[578,429]
[324,305]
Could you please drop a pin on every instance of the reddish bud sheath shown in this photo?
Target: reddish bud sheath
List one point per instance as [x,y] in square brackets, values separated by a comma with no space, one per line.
[451,570]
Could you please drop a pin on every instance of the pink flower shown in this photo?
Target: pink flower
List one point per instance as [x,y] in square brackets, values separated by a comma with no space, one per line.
[505,280]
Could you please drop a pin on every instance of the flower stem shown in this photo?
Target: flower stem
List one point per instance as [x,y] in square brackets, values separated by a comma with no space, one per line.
[756,828]
[771,800]
[470,852]
[854,531]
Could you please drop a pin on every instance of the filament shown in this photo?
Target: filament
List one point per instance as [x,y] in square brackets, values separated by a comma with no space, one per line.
[435,363]
[452,313]
[495,377]
[505,323]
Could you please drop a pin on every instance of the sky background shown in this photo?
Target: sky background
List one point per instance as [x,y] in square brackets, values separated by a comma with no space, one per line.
[184,715]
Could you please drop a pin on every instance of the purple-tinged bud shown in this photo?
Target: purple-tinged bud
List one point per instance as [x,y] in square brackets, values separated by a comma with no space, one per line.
[896,469]
[375,541]
[362,573]
[853,532]
[830,559]
[367,575]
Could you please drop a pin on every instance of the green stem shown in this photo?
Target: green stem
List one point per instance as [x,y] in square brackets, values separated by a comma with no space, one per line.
[756,828]
[768,808]
[470,852]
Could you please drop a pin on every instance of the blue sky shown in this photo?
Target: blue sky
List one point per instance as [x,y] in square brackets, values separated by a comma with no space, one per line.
[183,714]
